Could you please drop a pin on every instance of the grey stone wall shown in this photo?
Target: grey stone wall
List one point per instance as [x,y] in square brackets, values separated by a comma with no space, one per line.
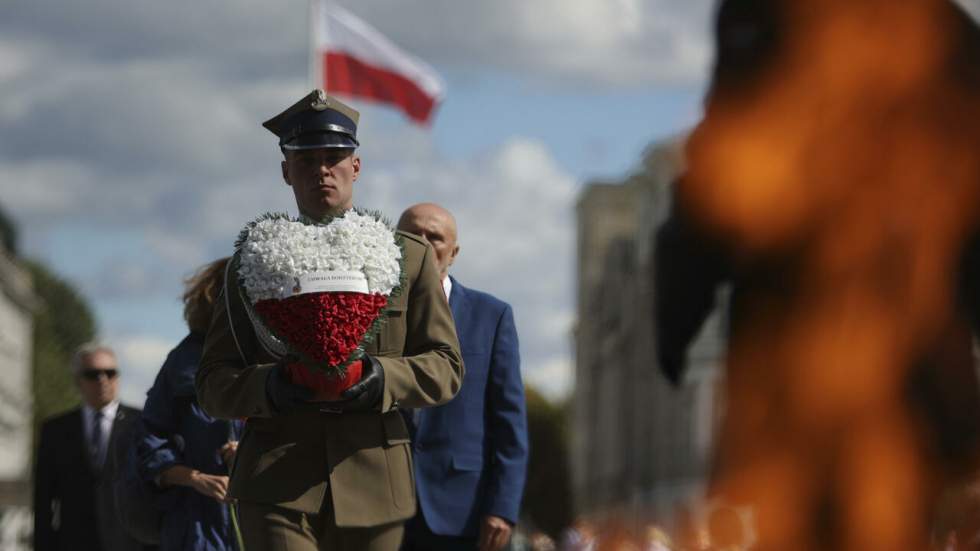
[16,307]
[639,446]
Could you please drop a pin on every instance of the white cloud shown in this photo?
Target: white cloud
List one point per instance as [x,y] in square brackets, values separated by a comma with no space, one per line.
[514,207]
[612,43]
[174,248]
[42,189]
[139,121]
[130,115]
[553,378]
[121,278]
[14,60]
[140,358]
[605,42]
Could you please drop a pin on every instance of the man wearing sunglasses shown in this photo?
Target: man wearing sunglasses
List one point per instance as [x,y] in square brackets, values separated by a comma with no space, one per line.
[72,502]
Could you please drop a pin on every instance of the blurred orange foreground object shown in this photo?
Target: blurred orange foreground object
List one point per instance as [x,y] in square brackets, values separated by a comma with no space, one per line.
[848,157]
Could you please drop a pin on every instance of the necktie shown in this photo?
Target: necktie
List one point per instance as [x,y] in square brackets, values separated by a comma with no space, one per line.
[96,444]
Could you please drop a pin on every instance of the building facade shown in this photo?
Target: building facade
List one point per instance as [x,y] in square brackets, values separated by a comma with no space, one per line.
[640,447]
[17,304]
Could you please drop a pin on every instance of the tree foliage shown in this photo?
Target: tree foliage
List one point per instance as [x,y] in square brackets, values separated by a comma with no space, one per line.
[63,322]
[548,494]
[8,233]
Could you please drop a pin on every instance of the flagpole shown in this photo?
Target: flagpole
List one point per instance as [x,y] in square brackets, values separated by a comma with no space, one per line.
[315,63]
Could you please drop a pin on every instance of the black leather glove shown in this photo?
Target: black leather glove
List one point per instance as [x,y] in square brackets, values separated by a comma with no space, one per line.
[286,396]
[366,394]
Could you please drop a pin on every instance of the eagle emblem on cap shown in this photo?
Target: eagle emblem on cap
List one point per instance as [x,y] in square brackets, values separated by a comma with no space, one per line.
[320,102]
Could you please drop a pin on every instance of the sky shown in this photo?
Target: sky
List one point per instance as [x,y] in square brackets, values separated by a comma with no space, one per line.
[133,152]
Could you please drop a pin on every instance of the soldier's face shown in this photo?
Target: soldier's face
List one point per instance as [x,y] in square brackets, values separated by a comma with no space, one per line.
[322,179]
[98,380]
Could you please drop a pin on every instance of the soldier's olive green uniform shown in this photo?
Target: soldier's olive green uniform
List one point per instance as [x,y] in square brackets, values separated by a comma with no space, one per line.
[307,474]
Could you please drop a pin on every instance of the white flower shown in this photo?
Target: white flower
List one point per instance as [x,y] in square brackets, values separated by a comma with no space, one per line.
[276,251]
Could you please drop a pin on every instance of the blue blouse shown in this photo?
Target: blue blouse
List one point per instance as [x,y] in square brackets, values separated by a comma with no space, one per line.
[179,432]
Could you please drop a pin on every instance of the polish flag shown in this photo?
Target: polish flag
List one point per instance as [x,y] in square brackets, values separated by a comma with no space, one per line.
[352,58]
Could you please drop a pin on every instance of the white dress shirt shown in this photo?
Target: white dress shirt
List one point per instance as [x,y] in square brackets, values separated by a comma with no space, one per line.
[447,286]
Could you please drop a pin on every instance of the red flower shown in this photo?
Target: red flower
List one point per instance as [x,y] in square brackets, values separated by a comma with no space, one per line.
[326,328]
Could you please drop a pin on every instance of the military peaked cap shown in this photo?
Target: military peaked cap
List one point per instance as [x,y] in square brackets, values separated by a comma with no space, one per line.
[314,122]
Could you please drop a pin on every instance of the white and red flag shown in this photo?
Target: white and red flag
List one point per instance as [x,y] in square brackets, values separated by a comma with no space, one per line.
[352,58]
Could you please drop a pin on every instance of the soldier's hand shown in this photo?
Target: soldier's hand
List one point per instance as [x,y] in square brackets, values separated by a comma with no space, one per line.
[366,394]
[286,396]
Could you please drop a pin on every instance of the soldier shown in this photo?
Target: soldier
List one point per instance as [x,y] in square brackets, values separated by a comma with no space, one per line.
[338,478]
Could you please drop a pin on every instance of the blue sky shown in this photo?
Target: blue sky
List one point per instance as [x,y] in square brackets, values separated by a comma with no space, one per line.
[591,133]
[134,152]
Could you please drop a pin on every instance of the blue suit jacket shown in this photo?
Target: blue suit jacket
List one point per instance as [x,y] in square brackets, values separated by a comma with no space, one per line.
[471,453]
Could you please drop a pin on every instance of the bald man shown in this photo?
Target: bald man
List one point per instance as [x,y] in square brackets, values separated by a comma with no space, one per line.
[470,454]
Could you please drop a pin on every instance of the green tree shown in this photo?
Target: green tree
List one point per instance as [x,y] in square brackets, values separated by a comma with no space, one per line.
[8,233]
[548,493]
[63,322]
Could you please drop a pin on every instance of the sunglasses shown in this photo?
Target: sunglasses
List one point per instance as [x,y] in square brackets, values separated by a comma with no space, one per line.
[94,374]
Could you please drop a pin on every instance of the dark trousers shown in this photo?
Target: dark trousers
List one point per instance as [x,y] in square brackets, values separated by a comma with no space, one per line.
[418,537]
